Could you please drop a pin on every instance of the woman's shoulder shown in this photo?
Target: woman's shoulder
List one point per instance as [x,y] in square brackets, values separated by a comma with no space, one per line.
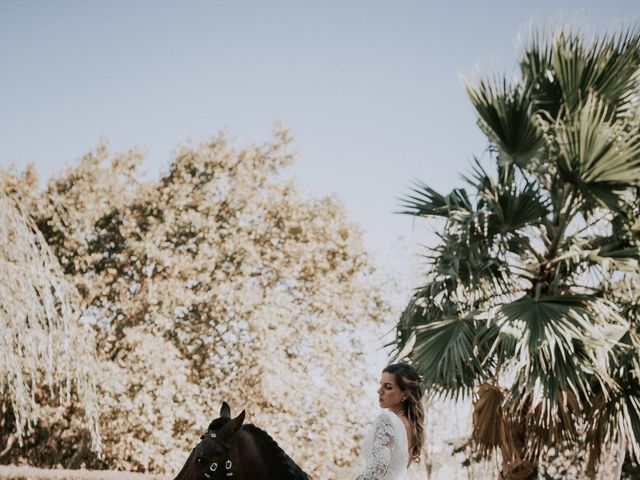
[387,417]
[386,413]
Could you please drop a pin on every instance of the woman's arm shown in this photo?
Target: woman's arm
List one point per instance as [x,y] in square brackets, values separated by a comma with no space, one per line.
[384,441]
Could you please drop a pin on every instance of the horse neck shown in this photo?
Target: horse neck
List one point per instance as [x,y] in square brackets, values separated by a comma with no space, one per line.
[185,467]
[276,463]
[251,460]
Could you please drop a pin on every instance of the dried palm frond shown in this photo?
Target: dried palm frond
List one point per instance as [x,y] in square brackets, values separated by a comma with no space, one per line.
[490,430]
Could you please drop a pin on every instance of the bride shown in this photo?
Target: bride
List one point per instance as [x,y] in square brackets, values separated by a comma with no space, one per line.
[397,437]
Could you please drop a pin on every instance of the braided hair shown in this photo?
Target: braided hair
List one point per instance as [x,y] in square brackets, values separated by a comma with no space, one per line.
[408,381]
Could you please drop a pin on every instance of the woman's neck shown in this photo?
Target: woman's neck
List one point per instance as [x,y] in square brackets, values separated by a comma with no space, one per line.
[398,411]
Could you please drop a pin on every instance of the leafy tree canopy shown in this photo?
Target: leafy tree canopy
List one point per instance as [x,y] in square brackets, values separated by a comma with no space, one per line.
[217,281]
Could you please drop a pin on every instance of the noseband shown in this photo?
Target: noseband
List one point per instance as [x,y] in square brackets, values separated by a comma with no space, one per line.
[214,466]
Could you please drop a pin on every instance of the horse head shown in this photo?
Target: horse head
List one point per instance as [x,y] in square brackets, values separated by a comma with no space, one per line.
[230,450]
[214,457]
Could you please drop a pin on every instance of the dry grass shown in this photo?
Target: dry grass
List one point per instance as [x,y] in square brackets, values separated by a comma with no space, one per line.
[11,472]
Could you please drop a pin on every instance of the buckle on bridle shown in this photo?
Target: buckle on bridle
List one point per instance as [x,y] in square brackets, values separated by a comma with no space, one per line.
[214,466]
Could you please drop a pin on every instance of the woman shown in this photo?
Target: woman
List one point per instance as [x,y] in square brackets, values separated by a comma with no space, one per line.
[398,435]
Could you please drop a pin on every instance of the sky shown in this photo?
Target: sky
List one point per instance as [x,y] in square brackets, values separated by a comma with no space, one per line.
[372,90]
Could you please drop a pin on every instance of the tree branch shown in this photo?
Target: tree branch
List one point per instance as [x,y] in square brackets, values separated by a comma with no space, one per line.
[10,441]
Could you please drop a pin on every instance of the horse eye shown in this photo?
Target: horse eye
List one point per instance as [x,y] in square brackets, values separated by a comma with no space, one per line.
[199,460]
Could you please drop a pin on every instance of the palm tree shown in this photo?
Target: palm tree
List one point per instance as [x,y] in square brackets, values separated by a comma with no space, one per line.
[534,270]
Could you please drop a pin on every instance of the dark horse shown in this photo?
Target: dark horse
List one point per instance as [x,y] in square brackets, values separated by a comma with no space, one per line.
[232,451]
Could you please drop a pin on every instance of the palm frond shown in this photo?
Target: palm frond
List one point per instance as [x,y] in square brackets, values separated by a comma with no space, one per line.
[606,67]
[526,414]
[561,363]
[424,201]
[556,348]
[507,117]
[537,75]
[440,341]
[471,263]
[613,417]
[623,254]
[595,152]
[513,208]
[509,207]
[490,423]
[444,353]
[428,304]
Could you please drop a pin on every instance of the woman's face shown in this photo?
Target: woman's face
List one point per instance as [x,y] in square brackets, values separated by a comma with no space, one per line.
[389,394]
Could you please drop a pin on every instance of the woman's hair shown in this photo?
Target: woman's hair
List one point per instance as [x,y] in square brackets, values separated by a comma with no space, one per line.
[408,380]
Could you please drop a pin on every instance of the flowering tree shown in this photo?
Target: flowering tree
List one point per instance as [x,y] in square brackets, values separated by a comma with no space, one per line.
[216,282]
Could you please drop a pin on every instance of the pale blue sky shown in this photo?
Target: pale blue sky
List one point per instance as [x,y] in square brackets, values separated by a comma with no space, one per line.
[370,89]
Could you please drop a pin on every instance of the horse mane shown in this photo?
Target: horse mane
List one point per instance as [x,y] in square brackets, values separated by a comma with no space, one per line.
[284,467]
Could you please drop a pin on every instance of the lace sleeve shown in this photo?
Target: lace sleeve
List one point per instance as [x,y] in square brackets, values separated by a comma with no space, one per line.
[380,457]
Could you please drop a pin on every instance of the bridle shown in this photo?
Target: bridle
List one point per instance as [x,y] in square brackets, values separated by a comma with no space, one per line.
[228,465]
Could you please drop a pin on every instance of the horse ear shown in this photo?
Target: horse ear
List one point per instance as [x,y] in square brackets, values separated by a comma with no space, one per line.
[233,426]
[225,411]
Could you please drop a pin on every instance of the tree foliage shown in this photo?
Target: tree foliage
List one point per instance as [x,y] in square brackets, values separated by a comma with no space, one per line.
[217,281]
[47,358]
[526,275]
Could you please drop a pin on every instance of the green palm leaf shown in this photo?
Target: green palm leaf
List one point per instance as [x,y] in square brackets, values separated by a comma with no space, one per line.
[427,304]
[444,352]
[470,262]
[614,416]
[509,207]
[560,354]
[448,349]
[607,68]
[592,152]
[506,116]
[537,75]
[625,255]
[424,201]
[556,346]
[513,208]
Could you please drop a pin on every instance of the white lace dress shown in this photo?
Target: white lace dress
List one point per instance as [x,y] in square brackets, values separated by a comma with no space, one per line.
[385,449]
